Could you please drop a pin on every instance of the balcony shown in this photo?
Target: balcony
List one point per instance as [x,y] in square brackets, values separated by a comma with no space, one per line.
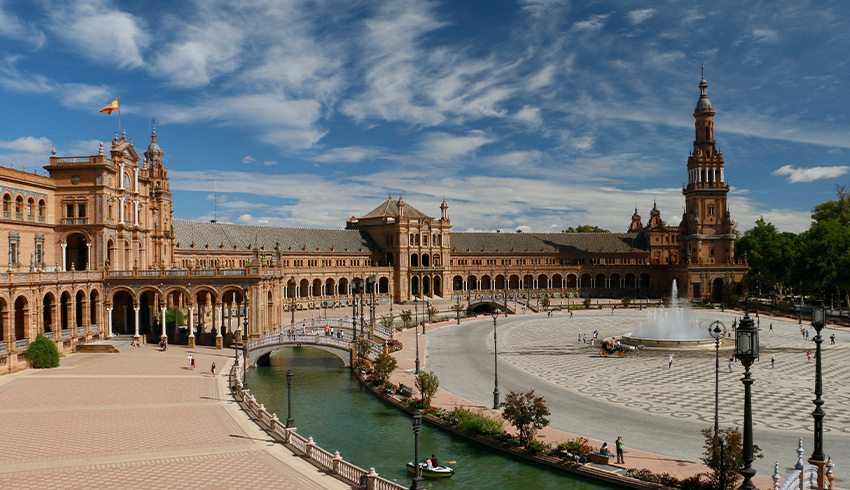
[21,344]
[428,268]
[75,221]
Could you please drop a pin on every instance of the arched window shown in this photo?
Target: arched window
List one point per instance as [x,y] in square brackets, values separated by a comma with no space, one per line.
[19,205]
[7,205]
[30,202]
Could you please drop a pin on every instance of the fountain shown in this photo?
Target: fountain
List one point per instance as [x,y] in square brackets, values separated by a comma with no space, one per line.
[670,328]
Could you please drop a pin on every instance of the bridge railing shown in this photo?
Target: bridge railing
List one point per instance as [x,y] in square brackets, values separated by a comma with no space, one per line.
[375,348]
[343,322]
[332,463]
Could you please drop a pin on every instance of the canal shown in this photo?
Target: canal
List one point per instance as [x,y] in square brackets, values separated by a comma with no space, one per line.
[331,406]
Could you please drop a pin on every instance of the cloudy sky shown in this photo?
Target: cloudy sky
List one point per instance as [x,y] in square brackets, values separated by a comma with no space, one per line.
[531,114]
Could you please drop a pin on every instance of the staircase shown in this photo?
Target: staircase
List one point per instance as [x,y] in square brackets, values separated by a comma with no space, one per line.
[116,344]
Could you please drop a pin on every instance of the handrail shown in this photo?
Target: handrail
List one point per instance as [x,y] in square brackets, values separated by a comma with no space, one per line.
[332,463]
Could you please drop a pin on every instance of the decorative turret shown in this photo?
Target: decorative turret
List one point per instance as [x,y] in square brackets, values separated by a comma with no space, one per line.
[153,149]
[636,223]
[444,211]
[400,205]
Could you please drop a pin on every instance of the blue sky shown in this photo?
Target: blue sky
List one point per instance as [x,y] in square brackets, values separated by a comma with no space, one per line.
[532,114]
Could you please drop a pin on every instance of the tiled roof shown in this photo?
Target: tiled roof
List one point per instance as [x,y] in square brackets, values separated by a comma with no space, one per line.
[226,236]
[390,208]
[547,242]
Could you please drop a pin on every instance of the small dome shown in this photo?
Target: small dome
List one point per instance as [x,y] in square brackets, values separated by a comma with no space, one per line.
[703,104]
[153,149]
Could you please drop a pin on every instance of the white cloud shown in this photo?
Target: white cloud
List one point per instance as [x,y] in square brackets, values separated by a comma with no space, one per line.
[594,23]
[14,28]
[349,154]
[763,35]
[810,174]
[638,16]
[269,163]
[204,52]
[529,115]
[85,147]
[249,159]
[441,147]
[28,144]
[101,33]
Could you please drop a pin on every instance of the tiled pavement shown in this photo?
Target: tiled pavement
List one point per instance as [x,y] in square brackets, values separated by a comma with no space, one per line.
[138,419]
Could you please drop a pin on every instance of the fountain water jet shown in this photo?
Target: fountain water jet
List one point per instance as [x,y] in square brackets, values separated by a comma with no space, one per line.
[670,328]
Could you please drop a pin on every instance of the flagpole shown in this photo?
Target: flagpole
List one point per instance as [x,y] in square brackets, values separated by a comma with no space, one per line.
[119,114]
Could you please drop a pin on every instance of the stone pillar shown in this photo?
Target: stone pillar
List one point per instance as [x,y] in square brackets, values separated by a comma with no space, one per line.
[162,309]
[191,327]
[64,257]
[109,322]
[121,176]
[88,252]
[219,340]
[137,308]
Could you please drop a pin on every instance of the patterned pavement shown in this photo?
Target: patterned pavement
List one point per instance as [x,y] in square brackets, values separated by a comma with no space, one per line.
[138,419]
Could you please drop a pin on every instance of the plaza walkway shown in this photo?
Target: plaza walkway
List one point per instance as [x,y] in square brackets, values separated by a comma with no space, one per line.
[139,419]
[658,410]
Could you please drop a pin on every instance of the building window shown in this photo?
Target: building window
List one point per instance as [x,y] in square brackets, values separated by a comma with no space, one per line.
[81,210]
[711,210]
[39,250]
[41,207]
[14,248]
[69,210]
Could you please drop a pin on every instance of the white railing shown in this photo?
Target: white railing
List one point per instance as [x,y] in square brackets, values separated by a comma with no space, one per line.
[332,463]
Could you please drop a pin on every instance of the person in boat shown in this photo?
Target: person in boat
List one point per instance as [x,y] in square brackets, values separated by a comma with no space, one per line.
[434,462]
[428,464]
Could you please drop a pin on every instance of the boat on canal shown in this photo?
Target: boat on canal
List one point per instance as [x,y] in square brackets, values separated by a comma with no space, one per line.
[438,472]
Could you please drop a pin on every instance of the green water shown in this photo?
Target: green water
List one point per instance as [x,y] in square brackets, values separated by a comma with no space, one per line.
[329,405]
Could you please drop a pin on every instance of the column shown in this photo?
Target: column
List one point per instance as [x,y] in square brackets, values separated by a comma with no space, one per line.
[721,176]
[217,320]
[162,309]
[64,257]
[136,212]
[121,210]
[121,177]
[109,322]
[88,260]
[136,180]
[126,318]
[191,321]
[137,308]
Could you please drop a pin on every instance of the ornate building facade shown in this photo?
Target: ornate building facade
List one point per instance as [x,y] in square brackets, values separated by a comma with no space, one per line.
[94,252]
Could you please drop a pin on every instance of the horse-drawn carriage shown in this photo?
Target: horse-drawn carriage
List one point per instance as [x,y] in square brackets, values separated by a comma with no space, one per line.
[610,347]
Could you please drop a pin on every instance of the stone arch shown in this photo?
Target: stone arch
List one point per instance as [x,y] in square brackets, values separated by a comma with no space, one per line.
[645,281]
[717,289]
[615,280]
[414,260]
[384,285]
[557,281]
[42,209]
[438,286]
[414,285]
[94,307]
[500,281]
[4,317]
[472,282]
[79,313]
[65,305]
[304,288]
[586,280]
[513,282]
[436,259]
[486,282]
[7,204]
[542,281]
[30,206]
[426,260]
[343,286]
[330,287]
[389,259]
[599,280]
[426,285]
[457,283]
[317,288]
[110,252]
[19,206]
[630,280]
[48,311]
[22,316]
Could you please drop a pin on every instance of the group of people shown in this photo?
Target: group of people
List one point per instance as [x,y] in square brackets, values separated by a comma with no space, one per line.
[431,463]
[620,443]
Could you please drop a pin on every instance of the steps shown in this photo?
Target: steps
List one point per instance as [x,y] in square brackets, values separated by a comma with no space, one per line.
[112,346]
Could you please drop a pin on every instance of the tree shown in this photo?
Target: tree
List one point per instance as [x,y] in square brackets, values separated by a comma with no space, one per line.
[363,347]
[587,302]
[42,353]
[387,322]
[458,308]
[770,255]
[169,317]
[527,413]
[834,210]
[585,229]
[384,366]
[405,316]
[626,301]
[427,383]
[733,457]
[431,313]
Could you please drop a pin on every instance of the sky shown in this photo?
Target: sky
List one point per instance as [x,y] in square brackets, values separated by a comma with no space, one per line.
[531,115]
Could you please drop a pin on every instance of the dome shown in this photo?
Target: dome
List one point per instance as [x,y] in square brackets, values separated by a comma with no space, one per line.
[153,149]
[703,104]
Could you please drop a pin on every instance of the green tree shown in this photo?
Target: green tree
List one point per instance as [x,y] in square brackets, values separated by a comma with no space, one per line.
[626,301]
[427,383]
[387,322]
[458,309]
[587,302]
[838,210]
[432,312]
[544,302]
[585,229]
[822,258]
[42,353]
[384,366]
[526,412]
[770,255]
[405,316]
[733,456]
[169,317]
[363,347]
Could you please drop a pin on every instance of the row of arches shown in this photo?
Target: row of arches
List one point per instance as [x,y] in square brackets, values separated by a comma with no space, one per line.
[427,260]
[24,318]
[19,202]
[319,288]
[556,281]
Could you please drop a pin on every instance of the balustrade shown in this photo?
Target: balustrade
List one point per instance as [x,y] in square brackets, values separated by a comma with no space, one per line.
[21,344]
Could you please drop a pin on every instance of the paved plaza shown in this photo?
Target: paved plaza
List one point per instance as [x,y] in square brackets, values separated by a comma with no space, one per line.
[139,419]
[656,408]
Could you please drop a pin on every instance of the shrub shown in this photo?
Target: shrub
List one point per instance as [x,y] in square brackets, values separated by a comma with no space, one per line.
[644,474]
[385,364]
[42,353]
[784,306]
[527,413]
[476,422]
[427,383]
[538,447]
[733,300]
[169,317]
[587,303]
[733,456]
[626,301]
[577,446]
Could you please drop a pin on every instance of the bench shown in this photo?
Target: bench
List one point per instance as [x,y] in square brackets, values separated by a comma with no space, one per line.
[599,458]
[405,391]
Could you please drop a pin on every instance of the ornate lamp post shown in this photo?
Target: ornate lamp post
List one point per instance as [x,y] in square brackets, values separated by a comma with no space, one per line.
[245,340]
[417,478]
[353,317]
[416,332]
[370,284]
[747,350]
[292,306]
[289,421]
[717,330]
[496,403]
[457,310]
[506,293]
[818,321]
[362,303]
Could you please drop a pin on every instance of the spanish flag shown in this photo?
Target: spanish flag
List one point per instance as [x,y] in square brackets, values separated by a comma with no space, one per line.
[111,107]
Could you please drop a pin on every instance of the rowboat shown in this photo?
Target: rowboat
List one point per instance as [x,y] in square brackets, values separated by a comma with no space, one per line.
[438,472]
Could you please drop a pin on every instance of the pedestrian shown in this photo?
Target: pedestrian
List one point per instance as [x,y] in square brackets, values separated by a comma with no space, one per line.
[596,334]
[571,314]
[730,365]
[620,444]
[670,363]
[832,339]
[771,327]
[809,356]
[807,334]
[612,311]
[584,338]
[191,361]
[213,369]
[592,342]
[772,362]
[579,338]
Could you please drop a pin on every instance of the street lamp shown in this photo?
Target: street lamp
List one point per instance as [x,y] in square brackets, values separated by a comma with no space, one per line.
[717,330]
[506,284]
[457,310]
[747,350]
[292,307]
[818,321]
[416,331]
[417,478]
[495,364]
[362,303]
[245,343]
[800,310]
[370,283]
[289,421]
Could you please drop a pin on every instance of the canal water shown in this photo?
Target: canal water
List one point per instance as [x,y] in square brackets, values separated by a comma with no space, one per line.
[331,406]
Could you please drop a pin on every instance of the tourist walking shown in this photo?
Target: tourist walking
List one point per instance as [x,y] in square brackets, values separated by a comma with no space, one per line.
[191,361]
[592,342]
[670,363]
[832,339]
[809,356]
[730,365]
[772,362]
[213,369]
[771,327]
[807,334]
[620,444]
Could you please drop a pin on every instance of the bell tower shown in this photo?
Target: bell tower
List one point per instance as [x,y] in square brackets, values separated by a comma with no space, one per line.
[707,230]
